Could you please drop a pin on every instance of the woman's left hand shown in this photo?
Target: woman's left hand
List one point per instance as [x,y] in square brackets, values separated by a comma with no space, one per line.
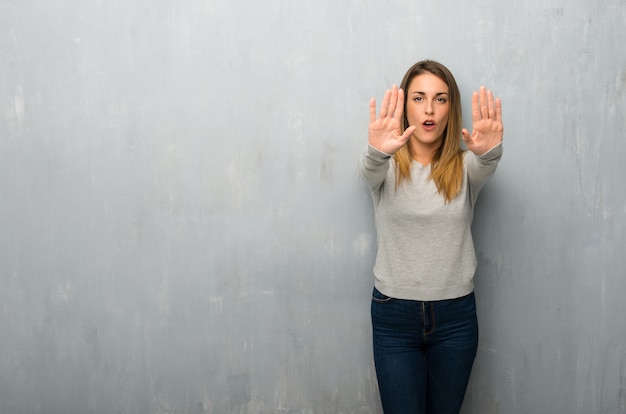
[487,128]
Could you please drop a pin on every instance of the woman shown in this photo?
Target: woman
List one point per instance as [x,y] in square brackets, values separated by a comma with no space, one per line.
[424,188]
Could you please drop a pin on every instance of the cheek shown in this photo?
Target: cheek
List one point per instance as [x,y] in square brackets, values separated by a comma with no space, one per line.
[410,113]
[444,120]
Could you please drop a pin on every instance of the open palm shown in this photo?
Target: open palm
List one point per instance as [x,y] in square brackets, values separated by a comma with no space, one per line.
[385,131]
[487,128]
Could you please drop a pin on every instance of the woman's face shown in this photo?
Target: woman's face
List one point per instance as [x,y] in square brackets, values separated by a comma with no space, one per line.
[427,107]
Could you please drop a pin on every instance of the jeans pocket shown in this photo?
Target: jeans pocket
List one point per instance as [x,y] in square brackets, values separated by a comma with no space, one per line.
[379,297]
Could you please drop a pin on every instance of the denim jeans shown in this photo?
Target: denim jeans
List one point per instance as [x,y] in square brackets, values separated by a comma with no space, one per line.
[423,352]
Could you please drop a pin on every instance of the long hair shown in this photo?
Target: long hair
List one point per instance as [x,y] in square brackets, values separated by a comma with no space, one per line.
[447,163]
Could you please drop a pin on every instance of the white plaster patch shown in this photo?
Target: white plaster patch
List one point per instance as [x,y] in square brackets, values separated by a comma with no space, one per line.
[216,304]
[331,247]
[362,245]
[62,294]
[16,112]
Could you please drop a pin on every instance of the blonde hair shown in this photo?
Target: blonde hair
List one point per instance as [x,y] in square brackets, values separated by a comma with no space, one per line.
[447,163]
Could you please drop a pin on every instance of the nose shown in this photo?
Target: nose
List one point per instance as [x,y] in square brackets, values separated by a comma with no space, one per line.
[429,108]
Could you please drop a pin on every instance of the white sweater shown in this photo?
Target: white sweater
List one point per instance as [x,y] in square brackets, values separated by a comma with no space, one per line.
[425,246]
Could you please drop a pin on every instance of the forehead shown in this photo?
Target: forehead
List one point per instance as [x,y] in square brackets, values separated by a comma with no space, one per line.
[427,83]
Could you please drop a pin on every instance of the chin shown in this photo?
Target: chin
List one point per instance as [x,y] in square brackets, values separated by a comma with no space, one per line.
[428,140]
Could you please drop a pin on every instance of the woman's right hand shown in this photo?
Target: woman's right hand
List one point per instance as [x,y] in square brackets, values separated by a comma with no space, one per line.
[385,133]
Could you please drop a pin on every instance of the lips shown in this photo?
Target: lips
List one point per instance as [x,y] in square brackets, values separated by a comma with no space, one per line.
[428,125]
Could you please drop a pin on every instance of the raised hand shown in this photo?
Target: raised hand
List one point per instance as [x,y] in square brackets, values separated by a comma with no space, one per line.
[487,128]
[385,132]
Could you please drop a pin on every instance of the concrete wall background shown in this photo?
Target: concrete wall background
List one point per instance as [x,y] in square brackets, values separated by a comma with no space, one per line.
[183,229]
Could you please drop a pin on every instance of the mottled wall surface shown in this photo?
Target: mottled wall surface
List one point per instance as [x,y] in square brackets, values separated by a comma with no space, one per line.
[182,228]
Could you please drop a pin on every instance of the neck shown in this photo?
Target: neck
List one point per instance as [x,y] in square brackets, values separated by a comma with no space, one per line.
[424,153]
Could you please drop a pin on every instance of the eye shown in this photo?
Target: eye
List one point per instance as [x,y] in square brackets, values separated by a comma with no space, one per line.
[442,100]
[418,99]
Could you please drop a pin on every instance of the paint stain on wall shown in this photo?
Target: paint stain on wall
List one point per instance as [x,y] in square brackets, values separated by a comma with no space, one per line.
[362,245]
[620,84]
[215,304]
[16,112]
[326,168]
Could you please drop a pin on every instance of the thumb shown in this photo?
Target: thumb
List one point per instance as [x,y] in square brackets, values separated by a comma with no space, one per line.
[408,132]
[466,135]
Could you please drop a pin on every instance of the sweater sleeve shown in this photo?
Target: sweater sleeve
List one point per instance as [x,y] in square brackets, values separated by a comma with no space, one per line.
[480,169]
[373,166]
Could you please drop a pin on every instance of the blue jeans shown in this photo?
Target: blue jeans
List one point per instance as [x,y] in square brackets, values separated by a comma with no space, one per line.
[423,352]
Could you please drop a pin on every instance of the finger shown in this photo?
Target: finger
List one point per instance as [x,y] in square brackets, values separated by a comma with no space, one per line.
[385,105]
[498,110]
[408,132]
[490,103]
[393,101]
[372,110]
[484,106]
[475,107]
[400,105]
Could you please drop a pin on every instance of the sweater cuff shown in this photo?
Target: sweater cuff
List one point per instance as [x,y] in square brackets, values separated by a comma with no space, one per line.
[376,153]
[492,154]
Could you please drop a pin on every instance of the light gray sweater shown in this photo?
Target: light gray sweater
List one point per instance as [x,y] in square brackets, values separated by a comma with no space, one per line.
[425,246]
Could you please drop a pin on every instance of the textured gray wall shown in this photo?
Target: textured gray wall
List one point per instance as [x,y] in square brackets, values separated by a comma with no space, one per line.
[182,229]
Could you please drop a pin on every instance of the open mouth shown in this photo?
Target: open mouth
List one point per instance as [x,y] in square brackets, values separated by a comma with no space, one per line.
[429,125]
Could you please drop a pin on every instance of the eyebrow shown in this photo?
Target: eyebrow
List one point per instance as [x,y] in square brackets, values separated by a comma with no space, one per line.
[424,93]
